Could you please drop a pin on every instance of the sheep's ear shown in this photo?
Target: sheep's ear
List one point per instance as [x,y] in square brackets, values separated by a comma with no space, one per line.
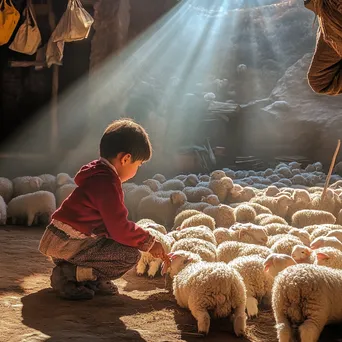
[187,261]
[322,256]
[267,265]
[308,251]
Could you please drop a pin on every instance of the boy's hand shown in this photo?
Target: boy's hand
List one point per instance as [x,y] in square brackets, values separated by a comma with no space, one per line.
[157,251]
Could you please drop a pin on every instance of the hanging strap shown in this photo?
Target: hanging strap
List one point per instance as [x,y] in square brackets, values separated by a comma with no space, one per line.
[30,15]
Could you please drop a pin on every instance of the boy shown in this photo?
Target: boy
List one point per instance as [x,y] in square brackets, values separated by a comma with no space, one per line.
[89,238]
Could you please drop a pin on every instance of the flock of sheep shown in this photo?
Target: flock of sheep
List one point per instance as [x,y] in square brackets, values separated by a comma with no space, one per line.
[236,240]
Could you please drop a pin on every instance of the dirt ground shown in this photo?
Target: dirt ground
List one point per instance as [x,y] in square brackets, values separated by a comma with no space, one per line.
[143,311]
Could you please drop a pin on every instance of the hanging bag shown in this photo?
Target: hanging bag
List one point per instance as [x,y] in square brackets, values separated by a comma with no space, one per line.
[75,23]
[28,37]
[9,17]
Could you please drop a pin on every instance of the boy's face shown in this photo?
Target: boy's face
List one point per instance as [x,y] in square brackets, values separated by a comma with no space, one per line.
[125,167]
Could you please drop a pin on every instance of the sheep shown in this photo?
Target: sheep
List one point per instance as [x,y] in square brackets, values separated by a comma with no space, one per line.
[329,257]
[277,228]
[265,219]
[49,183]
[229,173]
[301,234]
[331,202]
[6,189]
[211,199]
[301,200]
[259,209]
[320,231]
[172,184]
[258,283]
[161,210]
[31,206]
[180,177]
[197,220]
[335,233]
[64,178]
[134,197]
[191,180]
[159,177]
[165,194]
[204,178]
[195,194]
[221,187]
[229,250]
[217,174]
[271,191]
[153,184]
[247,233]
[148,223]
[206,250]
[183,216]
[305,296]
[3,212]
[309,217]
[25,185]
[222,214]
[278,205]
[268,172]
[127,187]
[147,260]
[245,195]
[63,192]
[192,206]
[294,166]
[199,232]
[201,286]
[324,241]
[244,213]
[285,172]
[276,263]
[286,244]
[303,255]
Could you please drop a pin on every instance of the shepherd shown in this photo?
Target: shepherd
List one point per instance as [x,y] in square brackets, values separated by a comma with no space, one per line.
[325,72]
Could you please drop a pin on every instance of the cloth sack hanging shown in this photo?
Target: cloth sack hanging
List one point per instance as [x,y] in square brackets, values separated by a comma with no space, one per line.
[9,17]
[28,37]
[75,23]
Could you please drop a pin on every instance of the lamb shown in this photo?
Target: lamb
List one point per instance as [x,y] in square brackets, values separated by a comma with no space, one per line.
[159,177]
[276,263]
[191,180]
[147,260]
[204,178]
[63,192]
[335,233]
[202,286]
[148,223]
[244,213]
[265,219]
[305,295]
[305,239]
[172,184]
[25,185]
[3,212]
[301,234]
[247,233]
[278,205]
[305,218]
[303,255]
[229,250]
[258,283]
[211,199]
[222,214]
[245,195]
[221,187]
[197,220]
[6,189]
[195,194]
[277,228]
[127,187]
[31,206]
[161,210]
[64,178]
[183,216]
[49,182]
[217,174]
[271,191]
[206,250]
[153,184]
[324,241]
[133,199]
[329,257]
[192,206]
[199,232]
[320,231]
[259,209]
[286,244]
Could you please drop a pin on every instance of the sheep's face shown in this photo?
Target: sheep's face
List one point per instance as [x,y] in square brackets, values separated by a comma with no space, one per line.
[218,174]
[301,196]
[285,201]
[211,199]
[300,253]
[271,191]
[275,263]
[179,260]
[318,243]
[227,183]
[178,198]
[153,184]
[302,235]
[335,233]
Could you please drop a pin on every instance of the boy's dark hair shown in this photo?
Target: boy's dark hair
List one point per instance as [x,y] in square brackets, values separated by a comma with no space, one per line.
[126,136]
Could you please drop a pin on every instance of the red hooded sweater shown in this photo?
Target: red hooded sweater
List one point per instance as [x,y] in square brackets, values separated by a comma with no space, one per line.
[97,207]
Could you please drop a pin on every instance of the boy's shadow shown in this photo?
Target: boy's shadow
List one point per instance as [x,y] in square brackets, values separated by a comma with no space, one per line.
[96,320]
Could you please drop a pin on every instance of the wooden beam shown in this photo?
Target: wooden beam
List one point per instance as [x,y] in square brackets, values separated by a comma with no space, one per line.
[25,64]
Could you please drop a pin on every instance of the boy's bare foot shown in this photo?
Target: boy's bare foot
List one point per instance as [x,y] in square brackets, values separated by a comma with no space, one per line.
[102,287]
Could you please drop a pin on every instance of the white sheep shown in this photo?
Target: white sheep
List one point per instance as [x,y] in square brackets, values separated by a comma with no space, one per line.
[202,286]
[221,187]
[204,178]
[64,178]
[277,228]
[276,263]
[3,212]
[6,189]
[192,206]
[244,213]
[133,198]
[272,191]
[229,250]
[258,283]
[247,233]
[206,250]
[303,255]
[25,185]
[49,182]
[259,209]
[286,244]
[153,184]
[198,220]
[265,219]
[199,232]
[310,217]
[183,216]
[161,210]
[172,184]
[148,223]
[191,180]
[159,177]
[211,199]
[147,260]
[325,241]
[336,233]
[31,205]
[63,192]
[305,295]
[195,194]
[329,257]
[278,205]
[222,214]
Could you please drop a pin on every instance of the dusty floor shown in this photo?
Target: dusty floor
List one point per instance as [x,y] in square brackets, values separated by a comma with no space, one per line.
[143,311]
